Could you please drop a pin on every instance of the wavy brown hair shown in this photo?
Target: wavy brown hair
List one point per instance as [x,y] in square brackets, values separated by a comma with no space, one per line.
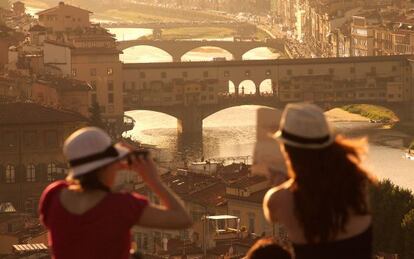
[329,184]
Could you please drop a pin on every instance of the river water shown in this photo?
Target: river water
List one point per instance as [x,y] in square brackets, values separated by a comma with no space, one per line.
[231,133]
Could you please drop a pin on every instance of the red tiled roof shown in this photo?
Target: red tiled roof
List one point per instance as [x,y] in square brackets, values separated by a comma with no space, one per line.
[53,9]
[30,113]
[256,197]
[248,181]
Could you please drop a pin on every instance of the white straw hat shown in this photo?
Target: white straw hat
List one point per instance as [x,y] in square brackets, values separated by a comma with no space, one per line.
[304,125]
[91,148]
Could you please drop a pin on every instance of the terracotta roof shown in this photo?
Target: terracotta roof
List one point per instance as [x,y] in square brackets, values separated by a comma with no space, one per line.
[30,113]
[62,5]
[248,181]
[65,84]
[256,197]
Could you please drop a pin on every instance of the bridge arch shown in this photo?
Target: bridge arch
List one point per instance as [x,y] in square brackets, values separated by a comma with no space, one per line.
[395,111]
[260,53]
[248,87]
[227,54]
[266,87]
[145,54]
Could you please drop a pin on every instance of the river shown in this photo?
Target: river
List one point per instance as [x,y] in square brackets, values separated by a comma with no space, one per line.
[231,133]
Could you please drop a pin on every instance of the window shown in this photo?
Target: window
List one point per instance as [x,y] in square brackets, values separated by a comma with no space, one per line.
[30,173]
[179,97]
[93,72]
[289,72]
[352,70]
[226,73]
[74,72]
[51,138]
[205,74]
[331,71]
[203,97]
[310,71]
[394,68]
[133,85]
[9,139]
[268,72]
[373,70]
[185,74]
[142,75]
[94,98]
[211,97]
[30,139]
[51,171]
[10,174]
[110,98]
[110,71]
[247,72]
[110,85]
[163,75]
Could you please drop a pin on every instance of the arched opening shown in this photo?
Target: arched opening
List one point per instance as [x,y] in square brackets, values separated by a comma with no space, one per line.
[247,87]
[232,87]
[145,54]
[266,87]
[207,53]
[261,53]
[231,133]
[123,34]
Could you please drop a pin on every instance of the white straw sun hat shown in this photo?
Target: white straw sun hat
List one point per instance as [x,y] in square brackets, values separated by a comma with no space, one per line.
[304,125]
[91,148]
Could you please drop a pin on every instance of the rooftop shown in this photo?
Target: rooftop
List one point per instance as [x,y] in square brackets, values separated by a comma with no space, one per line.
[30,113]
[62,5]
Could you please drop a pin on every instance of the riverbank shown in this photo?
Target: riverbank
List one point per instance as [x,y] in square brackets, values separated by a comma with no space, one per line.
[372,112]
[382,134]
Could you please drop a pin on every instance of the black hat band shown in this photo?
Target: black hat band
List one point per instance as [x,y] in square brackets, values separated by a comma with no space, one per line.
[107,153]
[298,139]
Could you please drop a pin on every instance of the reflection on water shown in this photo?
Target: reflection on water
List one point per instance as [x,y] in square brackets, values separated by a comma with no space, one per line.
[232,133]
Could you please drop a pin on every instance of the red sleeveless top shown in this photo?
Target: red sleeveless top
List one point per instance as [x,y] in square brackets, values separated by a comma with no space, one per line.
[101,232]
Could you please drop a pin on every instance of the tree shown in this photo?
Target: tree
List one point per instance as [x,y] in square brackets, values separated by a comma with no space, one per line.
[407,226]
[391,207]
[95,116]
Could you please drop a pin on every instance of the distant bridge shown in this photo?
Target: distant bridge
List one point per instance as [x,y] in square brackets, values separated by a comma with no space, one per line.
[178,48]
[192,91]
[170,25]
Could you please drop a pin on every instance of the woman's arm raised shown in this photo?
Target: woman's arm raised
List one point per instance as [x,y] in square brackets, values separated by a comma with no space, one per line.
[172,214]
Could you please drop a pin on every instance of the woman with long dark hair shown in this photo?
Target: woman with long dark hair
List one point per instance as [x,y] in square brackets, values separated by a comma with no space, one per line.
[323,203]
[85,218]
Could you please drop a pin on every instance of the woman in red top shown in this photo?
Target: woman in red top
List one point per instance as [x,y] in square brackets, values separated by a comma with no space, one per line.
[85,219]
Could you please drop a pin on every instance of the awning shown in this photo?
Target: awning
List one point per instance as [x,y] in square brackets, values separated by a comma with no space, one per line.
[30,247]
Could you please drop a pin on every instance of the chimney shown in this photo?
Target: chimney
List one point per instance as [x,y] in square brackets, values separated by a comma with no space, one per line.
[61,3]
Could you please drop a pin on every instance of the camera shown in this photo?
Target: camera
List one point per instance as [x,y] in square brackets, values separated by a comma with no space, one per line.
[138,154]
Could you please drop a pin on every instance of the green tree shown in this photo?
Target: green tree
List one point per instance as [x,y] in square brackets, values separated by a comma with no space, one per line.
[96,116]
[407,226]
[390,205]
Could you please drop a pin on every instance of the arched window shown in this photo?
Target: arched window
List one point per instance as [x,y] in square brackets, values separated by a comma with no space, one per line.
[10,174]
[51,171]
[30,173]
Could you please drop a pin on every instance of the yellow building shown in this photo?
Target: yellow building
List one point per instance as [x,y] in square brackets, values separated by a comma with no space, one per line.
[64,17]
[31,141]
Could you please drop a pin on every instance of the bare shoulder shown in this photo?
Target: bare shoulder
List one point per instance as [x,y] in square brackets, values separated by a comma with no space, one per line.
[279,193]
[276,200]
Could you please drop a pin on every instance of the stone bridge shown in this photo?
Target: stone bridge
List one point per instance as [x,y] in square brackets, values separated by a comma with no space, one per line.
[191,91]
[190,116]
[178,48]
